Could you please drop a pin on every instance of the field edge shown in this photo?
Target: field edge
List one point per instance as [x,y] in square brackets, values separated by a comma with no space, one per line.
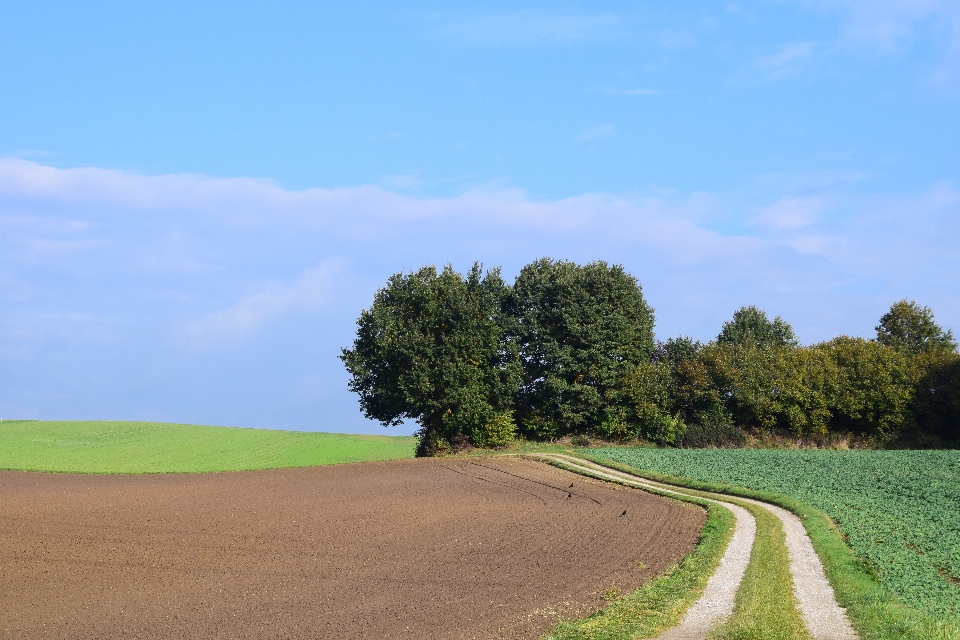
[661,602]
[874,611]
[116,447]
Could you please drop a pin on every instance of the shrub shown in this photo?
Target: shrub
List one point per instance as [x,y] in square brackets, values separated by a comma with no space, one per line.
[580,440]
[709,431]
[498,432]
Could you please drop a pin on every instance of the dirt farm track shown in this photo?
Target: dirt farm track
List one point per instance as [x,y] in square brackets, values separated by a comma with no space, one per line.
[491,548]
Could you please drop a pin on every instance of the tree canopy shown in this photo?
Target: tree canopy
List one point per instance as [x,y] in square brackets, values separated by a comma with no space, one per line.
[433,348]
[568,349]
[910,327]
[579,329]
[751,327]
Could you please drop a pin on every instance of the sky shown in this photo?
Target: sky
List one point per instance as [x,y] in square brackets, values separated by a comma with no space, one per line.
[198,199]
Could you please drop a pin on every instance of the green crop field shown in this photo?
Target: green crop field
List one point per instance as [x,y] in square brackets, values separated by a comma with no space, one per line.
[898,510]
[150,447]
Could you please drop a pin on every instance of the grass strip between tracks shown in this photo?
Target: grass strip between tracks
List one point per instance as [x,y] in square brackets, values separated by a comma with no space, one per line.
[765,608]
[660,603]
[874,612]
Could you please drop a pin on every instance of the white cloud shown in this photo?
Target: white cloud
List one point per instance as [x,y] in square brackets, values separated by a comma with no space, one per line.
[253,310]
[190,241]
[791,212]
[891,24]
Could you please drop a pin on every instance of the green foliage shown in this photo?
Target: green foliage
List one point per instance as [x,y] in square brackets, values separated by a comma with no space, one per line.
[580,329]
[847,385]
[748,377]
[896,509]
[910,327]
[751,327]
[433,348]
[569,350]
[151,447]
[498,432]
[872,389]
[697,397]
[677,350]
[644,398]
[711,431]
[937,402]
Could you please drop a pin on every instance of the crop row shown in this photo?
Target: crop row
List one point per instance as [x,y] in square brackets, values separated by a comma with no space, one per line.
[898,510]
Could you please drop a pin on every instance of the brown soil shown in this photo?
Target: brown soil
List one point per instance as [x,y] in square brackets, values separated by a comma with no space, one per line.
[407,549]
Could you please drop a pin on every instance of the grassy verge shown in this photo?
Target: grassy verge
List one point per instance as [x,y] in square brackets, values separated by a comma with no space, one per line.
[765,608]
[149,447]
[897,510]
[660,603]
[874,612]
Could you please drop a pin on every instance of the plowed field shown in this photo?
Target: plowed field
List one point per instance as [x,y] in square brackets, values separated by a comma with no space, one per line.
[402,549]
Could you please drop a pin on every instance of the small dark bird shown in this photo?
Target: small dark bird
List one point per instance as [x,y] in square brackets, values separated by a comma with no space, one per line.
[569,495]
[571,485]
[624,513]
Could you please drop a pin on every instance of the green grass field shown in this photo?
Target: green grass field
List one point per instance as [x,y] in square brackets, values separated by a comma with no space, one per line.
[898,510]
[150,447]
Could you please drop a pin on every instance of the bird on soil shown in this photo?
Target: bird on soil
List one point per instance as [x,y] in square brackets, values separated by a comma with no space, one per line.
[571,485]
[624,513]
[569,495]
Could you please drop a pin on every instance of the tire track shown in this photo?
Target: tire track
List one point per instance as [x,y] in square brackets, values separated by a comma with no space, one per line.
[717,602]
[824,618]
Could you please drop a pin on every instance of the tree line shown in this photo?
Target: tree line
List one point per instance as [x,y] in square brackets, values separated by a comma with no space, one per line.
[569,350]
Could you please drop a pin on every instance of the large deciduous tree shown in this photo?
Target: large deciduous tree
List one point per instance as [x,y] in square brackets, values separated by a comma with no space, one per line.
[434,348]
[910,327]
[751,327]
[580,329]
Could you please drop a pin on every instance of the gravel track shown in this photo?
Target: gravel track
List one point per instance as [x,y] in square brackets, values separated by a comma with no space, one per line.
[824,618]
[822,615]
[718,599]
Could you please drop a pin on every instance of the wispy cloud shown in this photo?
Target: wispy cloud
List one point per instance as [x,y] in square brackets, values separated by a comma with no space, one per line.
[184,277]
[891,24]
[789,59]
[401,181]
[38,154]
[894,26]
[239,228]
[253,310]
[791,212]
[674,39]
[531,27]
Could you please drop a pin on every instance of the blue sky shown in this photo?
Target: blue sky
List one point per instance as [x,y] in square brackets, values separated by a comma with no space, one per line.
[197,199]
